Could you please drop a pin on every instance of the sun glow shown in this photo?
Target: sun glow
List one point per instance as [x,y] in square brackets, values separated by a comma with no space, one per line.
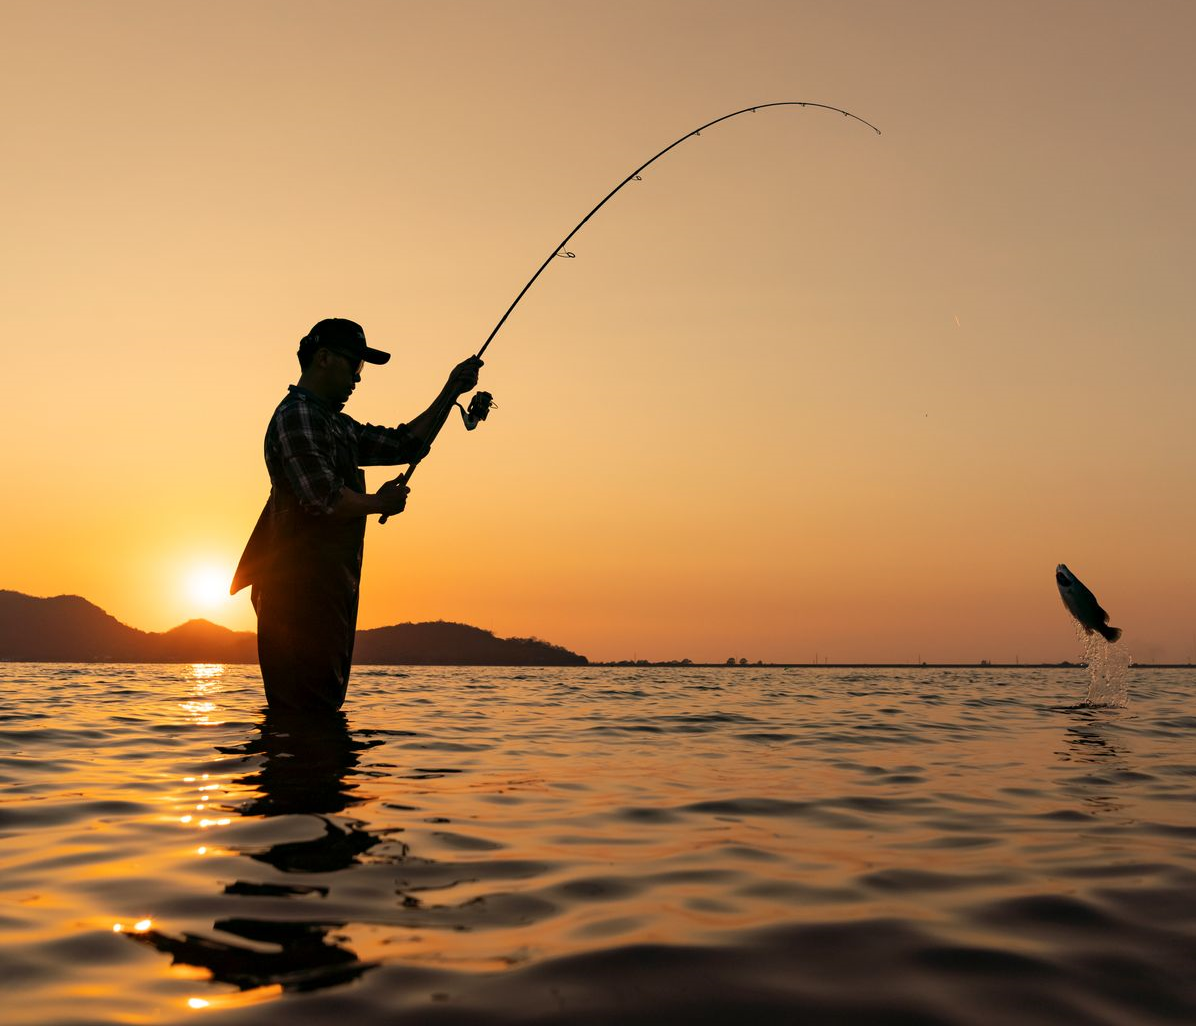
[207,586]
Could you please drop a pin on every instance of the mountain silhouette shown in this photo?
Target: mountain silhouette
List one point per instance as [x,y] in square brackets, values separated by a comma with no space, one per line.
[440,643]
[68,628]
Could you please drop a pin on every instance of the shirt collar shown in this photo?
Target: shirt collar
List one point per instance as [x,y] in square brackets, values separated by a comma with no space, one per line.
[311,397]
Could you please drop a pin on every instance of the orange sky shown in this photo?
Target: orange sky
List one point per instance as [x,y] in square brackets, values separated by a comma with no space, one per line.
[805,390]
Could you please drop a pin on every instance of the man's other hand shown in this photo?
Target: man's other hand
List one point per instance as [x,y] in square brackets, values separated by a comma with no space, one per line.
[465,375]
[394,497]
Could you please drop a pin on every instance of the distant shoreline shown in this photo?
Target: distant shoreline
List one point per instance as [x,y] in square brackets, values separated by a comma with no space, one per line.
[673,665]
[69,629]
[640,665]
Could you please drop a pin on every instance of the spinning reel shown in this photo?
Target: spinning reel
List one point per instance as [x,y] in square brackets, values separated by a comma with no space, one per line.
[479,409]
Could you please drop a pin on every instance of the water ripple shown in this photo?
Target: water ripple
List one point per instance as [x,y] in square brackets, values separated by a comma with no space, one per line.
[595,846]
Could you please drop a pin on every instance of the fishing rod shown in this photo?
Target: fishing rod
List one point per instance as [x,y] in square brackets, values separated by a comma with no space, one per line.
[481,403]
[479,408]
[560,250]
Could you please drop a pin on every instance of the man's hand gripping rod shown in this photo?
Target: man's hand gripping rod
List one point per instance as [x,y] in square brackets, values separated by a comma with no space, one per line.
[479,409]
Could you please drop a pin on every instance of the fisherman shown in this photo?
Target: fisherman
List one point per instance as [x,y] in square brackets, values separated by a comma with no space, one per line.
[303,559]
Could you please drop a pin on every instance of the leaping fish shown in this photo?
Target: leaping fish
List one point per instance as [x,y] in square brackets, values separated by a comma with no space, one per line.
[1082,604]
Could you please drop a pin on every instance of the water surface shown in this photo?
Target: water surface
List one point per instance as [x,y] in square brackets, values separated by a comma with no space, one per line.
[596,845]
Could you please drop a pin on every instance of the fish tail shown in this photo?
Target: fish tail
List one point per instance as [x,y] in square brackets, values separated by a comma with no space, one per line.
[1109,633]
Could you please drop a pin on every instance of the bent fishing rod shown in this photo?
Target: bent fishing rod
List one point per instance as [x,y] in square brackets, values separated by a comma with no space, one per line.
[481,403]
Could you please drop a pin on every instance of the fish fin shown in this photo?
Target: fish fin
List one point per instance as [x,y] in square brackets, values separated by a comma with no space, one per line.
[1109,633]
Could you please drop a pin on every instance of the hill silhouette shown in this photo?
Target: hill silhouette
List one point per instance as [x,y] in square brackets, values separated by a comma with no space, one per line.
[440,643]
[68,628]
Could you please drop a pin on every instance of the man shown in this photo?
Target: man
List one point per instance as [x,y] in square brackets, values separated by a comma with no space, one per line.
[303,559]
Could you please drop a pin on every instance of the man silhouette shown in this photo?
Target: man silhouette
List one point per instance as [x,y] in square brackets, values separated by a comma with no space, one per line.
[303,559]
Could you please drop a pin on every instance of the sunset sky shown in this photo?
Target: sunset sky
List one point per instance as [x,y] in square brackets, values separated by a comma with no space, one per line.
[805,392]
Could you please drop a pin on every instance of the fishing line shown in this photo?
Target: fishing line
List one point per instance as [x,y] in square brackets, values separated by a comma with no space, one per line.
[481,403]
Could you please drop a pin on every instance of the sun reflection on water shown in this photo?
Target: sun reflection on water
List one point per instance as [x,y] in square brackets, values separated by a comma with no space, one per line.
[141,926]
[207,795]
[206,684]
[236,999]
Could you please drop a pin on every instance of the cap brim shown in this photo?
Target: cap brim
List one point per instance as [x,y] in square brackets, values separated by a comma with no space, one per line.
[374,355]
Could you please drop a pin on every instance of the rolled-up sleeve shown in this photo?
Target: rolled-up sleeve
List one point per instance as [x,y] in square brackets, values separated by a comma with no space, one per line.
[384,447]
[305,451]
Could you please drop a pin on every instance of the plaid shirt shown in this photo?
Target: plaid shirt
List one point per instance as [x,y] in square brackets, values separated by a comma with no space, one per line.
[313,450]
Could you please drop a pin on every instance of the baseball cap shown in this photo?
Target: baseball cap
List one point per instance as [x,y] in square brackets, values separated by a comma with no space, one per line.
[342,334]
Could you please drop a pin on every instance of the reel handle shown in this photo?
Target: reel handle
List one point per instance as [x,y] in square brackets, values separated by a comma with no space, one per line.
[479,409]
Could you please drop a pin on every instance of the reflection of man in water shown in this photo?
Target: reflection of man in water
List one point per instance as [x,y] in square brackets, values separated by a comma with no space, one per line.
[303,772]
[304,556]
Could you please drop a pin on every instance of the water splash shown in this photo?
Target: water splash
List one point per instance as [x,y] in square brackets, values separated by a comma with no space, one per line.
[1108,669]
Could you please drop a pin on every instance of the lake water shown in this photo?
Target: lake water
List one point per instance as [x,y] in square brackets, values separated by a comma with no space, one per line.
[598,846]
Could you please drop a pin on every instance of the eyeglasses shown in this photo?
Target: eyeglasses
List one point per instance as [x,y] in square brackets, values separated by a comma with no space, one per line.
[354,361]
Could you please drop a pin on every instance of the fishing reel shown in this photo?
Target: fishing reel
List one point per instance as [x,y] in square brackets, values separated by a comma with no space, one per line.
[478,410]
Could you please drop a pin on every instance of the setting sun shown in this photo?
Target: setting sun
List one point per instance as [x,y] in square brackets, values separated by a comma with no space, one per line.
[207,586]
